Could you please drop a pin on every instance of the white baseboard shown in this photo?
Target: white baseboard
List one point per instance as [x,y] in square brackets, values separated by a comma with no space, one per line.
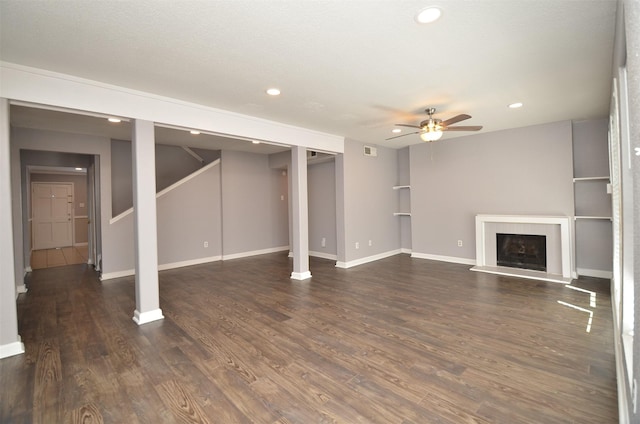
[149,316]
[452,259]
[81,244]
[405,250]
[191,262]
[21,289]
[323,255]
[368,259]
[254,253]
[594,273]
[11,349]
[198,261]
[117,274]
[301,275]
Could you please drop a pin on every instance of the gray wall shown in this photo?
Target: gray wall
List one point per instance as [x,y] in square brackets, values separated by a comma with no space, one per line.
[321,178]
[79,200]
[172,164]
[368,201]
[254,217]
[524,171]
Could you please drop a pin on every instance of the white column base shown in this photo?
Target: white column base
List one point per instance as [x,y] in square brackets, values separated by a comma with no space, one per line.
[149,316]
[301,275]
[11,349]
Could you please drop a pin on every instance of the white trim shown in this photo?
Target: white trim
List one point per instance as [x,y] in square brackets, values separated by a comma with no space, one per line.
[301,275]
[149,316]
[595,273]
[162,267]
[404,250]
[368,259]
[190,262]
[11,349]
[168,189]
[562,221]
[441,258]
[52,89]
[84,243]
[81,217]
[117,274]
[621,375]
[21,288]
[323,255]
[27,270]
[254,253]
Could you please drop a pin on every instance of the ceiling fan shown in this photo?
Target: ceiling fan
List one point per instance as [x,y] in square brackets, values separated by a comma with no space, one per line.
[431,129]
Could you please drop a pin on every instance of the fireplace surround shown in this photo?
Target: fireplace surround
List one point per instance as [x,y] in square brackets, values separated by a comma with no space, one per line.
[556,229]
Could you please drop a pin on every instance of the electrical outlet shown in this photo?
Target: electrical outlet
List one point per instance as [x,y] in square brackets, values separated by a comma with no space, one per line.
[459,243]
[324,242]
[370,243]
[206,244]
[357,245]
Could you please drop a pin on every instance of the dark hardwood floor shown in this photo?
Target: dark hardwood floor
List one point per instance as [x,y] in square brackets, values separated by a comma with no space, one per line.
[400,340]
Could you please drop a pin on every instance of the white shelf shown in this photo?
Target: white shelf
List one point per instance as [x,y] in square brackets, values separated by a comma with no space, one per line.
[402,214]
[608,218]
[590,179]
[401,186]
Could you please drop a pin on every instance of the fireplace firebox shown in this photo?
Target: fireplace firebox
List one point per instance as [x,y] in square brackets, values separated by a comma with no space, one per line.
[525,251]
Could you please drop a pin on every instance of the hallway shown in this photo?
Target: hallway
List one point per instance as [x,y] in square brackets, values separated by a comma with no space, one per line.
[49,258]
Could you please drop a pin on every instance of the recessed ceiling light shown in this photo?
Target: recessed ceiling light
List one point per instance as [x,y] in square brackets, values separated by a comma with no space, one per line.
[115,120]
[515,105]
[194,132]
[396,130]
[255,141]
[428,15]
[273,92]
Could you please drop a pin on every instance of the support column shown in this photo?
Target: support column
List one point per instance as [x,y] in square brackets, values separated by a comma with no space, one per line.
[300,214]
[145,231]
[10,343]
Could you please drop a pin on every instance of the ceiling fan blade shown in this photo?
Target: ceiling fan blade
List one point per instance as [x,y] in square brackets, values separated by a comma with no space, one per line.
[398,136]
[464,128]
[455,119]
[408,125]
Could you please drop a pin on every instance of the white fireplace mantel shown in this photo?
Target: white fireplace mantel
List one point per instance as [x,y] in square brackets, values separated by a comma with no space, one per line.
[564,249]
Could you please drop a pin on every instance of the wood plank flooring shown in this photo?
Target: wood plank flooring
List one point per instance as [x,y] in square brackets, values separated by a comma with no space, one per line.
[49,258]
[399,341]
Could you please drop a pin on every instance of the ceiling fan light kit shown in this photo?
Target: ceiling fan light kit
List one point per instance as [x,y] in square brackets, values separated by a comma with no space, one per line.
[431,129]
[431,136]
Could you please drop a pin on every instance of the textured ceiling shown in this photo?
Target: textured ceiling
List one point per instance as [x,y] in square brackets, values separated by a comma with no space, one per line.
[350,68]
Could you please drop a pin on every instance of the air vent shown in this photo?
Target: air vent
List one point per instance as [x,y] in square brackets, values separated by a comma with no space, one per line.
[370,151]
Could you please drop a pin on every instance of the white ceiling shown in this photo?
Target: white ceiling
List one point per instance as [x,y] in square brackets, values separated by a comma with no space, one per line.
[350,68]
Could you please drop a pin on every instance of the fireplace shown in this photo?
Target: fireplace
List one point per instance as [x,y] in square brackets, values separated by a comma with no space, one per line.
[558,247]
[525,251]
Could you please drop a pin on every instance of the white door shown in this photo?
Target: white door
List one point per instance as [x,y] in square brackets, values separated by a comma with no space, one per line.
[52,207]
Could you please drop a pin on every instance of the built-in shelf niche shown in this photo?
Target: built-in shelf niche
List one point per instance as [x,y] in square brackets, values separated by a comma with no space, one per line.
[404,200]
[592,198]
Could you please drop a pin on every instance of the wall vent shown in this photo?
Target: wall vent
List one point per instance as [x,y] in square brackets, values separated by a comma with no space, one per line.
[370,151]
